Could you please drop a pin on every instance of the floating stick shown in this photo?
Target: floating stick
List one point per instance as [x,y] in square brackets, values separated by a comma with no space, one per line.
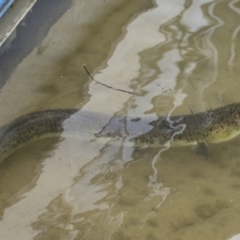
[105,85]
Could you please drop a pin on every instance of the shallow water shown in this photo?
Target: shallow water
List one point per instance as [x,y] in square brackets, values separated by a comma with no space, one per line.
[174,56]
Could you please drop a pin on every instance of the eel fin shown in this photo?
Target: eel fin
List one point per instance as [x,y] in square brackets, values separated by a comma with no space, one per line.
[202,149]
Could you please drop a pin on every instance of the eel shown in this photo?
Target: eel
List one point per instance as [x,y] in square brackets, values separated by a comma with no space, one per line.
[212,126]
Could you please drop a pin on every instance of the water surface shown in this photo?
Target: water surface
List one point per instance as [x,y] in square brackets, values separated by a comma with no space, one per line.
[174,56]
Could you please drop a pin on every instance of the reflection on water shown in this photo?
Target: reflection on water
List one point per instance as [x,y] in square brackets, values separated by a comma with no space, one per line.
[174,55]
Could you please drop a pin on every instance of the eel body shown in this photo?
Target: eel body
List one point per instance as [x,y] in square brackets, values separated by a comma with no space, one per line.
[212,126]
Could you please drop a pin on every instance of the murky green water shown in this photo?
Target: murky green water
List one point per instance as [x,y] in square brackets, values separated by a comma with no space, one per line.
[174,55]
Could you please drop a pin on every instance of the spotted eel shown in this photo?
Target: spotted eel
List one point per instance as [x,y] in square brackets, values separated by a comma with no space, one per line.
[212,126]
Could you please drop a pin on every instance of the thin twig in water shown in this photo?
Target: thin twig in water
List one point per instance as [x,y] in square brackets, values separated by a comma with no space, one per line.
[105,85]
